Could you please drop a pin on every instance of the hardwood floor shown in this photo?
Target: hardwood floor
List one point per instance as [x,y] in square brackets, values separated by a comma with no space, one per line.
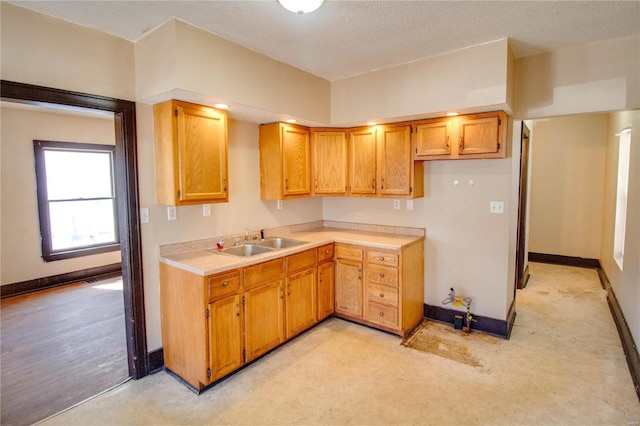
[59,347]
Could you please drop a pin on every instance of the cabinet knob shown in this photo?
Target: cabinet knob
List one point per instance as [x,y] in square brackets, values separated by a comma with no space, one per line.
[381,275]
[381,294]
[381,259]
[381,314]
[225,283]
[326,251]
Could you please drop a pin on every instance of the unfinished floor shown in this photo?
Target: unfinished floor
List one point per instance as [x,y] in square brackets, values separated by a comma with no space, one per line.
[563,365]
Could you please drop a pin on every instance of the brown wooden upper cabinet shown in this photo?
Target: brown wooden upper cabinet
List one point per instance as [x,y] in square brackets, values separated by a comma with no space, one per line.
[363,157]
[397,171]
[463,137]
[330,158]
[285,166]
[191,154]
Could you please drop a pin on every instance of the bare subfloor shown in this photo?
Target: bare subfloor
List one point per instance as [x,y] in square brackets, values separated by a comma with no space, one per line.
[563,365]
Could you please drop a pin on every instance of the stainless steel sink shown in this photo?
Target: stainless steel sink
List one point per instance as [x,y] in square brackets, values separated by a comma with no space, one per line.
[246,250]
[279,243]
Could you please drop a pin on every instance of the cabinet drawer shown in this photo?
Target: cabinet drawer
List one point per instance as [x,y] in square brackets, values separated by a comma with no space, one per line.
[348,253]
[382,294]
[325,253]
[300,261]
[382,314]
[383,258]
[382,275]
[223,285]
[263,273]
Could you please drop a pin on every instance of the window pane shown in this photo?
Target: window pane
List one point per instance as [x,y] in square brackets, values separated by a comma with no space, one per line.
[81,223]
[73,175]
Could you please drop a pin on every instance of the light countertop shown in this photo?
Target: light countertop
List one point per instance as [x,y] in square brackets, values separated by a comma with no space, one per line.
[206,260]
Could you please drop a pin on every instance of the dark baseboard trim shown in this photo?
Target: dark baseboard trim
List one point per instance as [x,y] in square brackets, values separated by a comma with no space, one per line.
[527,275]
[628,345]
[156,361]
[500,328]
[564,260]
[24,287]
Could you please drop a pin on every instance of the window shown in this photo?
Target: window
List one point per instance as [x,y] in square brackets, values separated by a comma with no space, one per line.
[76,199]
[624,152]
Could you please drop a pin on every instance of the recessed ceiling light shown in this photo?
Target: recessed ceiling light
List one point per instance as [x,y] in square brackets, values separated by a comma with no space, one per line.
[301,6]
[291,120]
[221,106]
[452,114]
[371,123]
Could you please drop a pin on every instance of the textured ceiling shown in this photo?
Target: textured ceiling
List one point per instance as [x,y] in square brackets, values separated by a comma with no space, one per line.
[345,38]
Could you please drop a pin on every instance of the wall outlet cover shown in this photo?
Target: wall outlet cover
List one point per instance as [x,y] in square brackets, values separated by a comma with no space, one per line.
[144,215]
[396,204]
[206,210]
[172,213]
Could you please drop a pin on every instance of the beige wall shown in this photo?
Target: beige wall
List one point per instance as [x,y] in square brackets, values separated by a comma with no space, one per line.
[20,245]
[244,209]
[465,79]
[625,283]
[50,52]
[567,178]
[596,77]
[181,56]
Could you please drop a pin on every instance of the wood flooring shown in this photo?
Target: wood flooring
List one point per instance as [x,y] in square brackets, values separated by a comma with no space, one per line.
[59,347]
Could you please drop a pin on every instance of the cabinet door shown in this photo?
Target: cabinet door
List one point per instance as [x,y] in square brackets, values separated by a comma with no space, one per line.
[479,135]
[202,154]
[330,162]
[225,336]
[363,156]
[295,157]
[301,302]
[348,287]
[326,298]
[432,139]
[395,160]
[264,319]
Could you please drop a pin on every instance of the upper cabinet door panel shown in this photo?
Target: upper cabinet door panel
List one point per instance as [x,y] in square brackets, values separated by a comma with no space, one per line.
[295,143]
[363,162]
[432,139]
[395,160]
[330,167]
[202,154]
[479,136]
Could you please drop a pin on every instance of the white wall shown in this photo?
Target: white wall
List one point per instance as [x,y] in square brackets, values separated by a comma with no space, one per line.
[20,245]
[596,77]
[625,283]
[567,184]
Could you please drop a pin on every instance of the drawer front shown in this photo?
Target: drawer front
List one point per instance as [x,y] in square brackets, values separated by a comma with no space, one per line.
[382,275]
[300,261]
[348,253]
[382,314]
[382,294]
[325,253]
[383,258]
[263,273]
[223,285]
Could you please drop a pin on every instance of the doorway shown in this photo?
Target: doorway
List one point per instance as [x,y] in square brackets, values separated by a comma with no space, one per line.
[522,273]
[127,201]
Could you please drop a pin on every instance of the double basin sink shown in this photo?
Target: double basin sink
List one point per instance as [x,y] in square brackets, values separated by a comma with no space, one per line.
[262,246]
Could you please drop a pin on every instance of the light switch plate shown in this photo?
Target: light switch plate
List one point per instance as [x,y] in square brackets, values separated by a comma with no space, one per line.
[496,207]
[279,204]
[409,204]
[206,210]
[144,215]
[171,213]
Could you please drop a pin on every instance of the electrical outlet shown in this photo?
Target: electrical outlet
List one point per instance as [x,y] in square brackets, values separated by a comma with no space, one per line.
[206,210]
[409,204]
[144,215]
[396,204]
[496,207]
[171,213]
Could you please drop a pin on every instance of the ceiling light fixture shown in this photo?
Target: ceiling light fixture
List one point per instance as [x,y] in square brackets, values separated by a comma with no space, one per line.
[452,114]
[301,6]
[291,120]
[371,123]
[221,106]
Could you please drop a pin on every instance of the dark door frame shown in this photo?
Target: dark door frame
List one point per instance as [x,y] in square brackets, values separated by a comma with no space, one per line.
[126,168]
[522,274]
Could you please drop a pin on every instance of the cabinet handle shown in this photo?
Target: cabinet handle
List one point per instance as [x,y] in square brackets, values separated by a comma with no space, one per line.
[381,275]
[381,259]
[225,185]
[373,183]
[225,283]
[381,294]
[460,144]
[382,184]
[447,143]
[286,184]
[381,314]
[316,184]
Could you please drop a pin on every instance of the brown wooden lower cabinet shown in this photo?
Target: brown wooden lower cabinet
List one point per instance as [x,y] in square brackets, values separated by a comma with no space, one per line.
[213,325]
